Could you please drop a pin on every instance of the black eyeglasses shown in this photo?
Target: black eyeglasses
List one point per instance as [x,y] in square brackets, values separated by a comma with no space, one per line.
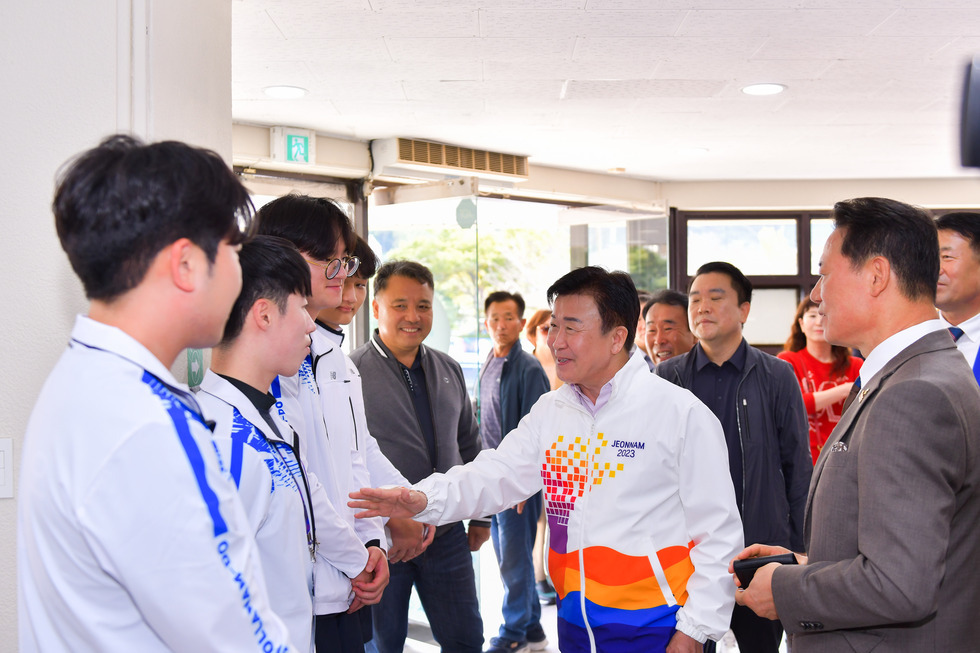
[332,267]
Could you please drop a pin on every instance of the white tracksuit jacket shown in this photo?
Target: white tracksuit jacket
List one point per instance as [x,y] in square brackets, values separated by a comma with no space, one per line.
[341,554]
[130,535]
[640,504]
[271,483]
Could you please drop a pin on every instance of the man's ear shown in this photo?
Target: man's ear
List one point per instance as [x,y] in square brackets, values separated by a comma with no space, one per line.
[743,310]
[619,339]
[374,308]
[183,261]
[261,313]
[880,270]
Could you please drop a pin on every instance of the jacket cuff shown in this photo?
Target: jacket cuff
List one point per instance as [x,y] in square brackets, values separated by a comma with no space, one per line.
[690,629]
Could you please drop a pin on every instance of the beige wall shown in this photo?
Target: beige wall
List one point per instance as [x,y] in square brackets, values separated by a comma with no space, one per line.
[75,73]
[351,159]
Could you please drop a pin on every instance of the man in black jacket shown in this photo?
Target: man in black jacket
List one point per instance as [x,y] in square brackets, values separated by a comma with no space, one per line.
[757,400]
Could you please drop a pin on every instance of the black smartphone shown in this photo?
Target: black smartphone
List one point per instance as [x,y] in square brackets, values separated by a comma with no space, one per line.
[745,569]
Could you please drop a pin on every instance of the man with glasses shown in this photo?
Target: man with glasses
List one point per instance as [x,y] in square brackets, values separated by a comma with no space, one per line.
[510,382]
[339,383]
[322,232]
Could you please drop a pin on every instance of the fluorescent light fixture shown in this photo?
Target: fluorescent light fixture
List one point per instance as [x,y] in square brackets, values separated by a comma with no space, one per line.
[285,92]
[763,89]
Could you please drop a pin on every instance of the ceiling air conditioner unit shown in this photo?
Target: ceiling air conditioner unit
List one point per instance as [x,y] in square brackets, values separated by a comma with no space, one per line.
[414,159]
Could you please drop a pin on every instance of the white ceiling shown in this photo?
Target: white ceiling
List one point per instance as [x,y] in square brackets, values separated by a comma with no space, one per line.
[873,85]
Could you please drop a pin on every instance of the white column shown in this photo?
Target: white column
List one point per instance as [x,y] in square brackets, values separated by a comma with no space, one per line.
[72,74]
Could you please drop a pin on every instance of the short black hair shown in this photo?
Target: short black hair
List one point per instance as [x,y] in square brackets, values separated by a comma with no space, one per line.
[667,296]
[369,260]
[905,235]
[313,224]
[504,296]
[741,284]
[399,268]
[273,269]
[613,293]
[119,204]
[966,224]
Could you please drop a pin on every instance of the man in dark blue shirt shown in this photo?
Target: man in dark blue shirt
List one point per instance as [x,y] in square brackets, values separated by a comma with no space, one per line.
[510,383]
[757,400]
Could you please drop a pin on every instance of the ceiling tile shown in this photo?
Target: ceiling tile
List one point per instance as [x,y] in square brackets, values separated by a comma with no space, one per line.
[515,23]
[322,23]
[636,88]
[801,23]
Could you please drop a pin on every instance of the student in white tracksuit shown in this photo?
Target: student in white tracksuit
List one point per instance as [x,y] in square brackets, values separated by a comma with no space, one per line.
[268,332]
[323,234]
[339,383]
[130,535]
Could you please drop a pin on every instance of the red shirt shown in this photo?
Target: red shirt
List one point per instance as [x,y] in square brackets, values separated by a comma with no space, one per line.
[815,376]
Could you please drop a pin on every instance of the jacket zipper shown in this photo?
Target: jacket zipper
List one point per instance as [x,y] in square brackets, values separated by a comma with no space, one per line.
[581,552]
[741,440]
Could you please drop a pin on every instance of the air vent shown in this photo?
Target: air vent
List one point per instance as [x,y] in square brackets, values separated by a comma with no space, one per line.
[395,156]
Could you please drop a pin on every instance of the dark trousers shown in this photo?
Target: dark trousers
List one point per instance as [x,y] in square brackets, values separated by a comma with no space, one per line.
[340,633]
[753,633]
[444,579]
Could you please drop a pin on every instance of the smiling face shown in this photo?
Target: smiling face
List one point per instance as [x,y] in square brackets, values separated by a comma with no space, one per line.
[584,355]
[355,292]
[811,324]
[404,313]
[504,325]
[716,315]
[327,293]
[958,290]
[667,333]
[289,333]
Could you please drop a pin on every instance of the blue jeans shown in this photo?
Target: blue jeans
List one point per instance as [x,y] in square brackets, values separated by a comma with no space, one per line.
[513,539]
[444,579]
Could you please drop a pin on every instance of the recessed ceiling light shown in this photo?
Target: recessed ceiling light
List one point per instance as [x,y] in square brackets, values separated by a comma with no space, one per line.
[616,171]
[285,92]
[763,89]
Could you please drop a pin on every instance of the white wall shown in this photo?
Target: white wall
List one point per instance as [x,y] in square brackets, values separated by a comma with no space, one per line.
[74,73]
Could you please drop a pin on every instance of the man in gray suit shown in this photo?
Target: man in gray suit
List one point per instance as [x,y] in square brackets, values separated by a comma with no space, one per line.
[892,512]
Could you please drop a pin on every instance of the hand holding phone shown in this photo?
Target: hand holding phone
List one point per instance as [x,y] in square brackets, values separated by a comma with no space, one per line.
[745,569]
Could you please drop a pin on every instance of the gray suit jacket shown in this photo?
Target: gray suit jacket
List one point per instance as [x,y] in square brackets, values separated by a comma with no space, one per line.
[892,525]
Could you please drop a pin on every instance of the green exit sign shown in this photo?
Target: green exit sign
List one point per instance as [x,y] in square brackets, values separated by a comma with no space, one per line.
[297,148]
[293,145]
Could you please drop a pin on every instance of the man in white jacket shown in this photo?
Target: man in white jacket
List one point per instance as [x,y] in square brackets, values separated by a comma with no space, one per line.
[339,383]
[130,535]
[641,507]
[268,334]
[322,232]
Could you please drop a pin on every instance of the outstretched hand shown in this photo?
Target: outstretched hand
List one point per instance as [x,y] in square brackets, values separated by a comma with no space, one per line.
[387,502]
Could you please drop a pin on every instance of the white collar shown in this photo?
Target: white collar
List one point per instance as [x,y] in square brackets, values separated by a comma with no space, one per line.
[971,327]
[114,340]
[220,388]
[893,345]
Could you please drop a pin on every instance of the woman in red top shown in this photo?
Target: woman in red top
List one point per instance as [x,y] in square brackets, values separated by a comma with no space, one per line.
[826,372]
